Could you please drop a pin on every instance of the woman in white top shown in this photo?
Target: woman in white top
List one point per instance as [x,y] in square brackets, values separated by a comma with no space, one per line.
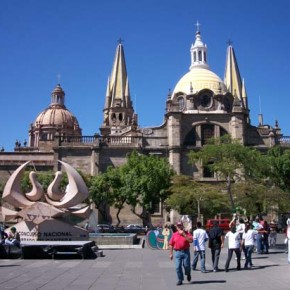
[249,243]
[240,228]
[234,245]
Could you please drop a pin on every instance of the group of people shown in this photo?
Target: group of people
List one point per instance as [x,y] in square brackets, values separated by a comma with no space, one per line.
[242,237]
[12,238]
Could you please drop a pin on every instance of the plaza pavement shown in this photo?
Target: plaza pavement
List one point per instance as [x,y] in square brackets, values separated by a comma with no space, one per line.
[143,269]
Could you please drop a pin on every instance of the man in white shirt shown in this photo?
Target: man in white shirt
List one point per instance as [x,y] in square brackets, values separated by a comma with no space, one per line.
[199,239]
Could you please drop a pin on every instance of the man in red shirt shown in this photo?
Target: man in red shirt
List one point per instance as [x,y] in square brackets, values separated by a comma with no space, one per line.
[180,243]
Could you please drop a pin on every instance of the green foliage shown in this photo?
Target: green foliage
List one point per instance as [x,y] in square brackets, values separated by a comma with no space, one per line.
[141,182]
[101,194]
[230,160]
[259,197]
[44,178]
[278,167]
[195,198]
[147,179]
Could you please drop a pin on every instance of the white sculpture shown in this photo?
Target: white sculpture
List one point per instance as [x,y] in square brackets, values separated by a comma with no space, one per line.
[32,209]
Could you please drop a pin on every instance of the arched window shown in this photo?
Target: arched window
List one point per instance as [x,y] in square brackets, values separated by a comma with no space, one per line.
[194,56]
[204,56]
[181,103]
[199,56]
[207,132]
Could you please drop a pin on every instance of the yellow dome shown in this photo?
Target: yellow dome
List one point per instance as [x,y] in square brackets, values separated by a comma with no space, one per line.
[198,79]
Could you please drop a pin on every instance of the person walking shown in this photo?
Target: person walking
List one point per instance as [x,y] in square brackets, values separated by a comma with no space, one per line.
[199,239]
[216,242]
[265,238]
[257,225]
[180,243]
[240,228]
[249,242]
[234,245]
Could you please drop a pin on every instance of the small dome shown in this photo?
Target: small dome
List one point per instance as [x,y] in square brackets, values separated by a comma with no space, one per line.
[57,116]
[198,79]
[56,120]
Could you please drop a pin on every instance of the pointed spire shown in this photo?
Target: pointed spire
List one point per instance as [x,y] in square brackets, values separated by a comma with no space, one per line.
[118,110]
[198,51]
[232,77]
[118,77]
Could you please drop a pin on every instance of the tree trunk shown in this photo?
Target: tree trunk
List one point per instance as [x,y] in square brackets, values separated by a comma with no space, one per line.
[229,191]
[145,217]
[102,208]
[198,210]
[117,216]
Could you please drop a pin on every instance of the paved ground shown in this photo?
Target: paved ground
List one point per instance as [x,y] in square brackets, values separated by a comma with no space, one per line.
[130,269]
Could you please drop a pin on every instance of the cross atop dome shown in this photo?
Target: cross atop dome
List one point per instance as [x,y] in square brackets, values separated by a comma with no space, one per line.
[197,26]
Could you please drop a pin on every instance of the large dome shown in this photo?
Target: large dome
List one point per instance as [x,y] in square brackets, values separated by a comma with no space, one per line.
[199,78]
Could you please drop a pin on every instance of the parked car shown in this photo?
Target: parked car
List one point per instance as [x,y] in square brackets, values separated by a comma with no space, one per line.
[105,228]
[133,228]
[224,224]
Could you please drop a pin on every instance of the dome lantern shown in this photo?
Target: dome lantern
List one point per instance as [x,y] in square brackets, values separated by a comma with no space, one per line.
[198,51]
[57,96]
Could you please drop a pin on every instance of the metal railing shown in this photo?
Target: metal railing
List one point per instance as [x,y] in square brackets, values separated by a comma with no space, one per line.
[283,141]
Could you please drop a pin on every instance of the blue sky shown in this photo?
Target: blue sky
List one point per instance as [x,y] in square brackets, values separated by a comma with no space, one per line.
[77,39]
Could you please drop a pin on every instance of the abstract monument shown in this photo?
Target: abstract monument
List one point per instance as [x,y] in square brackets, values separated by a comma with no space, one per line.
[46,216]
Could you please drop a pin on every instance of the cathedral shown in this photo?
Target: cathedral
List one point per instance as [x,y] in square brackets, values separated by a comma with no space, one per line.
[201,106]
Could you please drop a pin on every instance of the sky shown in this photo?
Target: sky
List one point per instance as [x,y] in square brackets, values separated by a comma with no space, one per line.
[73,42]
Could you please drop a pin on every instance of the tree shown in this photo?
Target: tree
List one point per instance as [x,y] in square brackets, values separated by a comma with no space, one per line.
[116,182]
[141,182]
[196,198]
[259,197]
[278,167]
[146,180]
[230,160]
[101,194]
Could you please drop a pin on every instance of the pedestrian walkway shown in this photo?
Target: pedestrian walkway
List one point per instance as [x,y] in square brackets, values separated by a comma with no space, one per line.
[143,269]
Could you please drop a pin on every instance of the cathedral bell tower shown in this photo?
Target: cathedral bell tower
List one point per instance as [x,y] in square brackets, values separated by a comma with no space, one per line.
[119,116]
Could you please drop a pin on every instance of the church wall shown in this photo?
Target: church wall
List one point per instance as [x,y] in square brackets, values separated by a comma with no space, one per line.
[113,157]
[191,120]
[77,157]
[186,167]
[10,161]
